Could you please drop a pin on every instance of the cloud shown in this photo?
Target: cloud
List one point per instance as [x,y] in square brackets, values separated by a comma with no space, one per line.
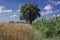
[13,16]
[57,11]
[55,2]
[2,9]
[54,15]
[7,11]
[18,10]
[48,7]
[48,10]
[57,15]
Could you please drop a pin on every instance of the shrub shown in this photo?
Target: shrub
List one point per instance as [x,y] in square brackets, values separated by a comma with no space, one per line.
[47,28]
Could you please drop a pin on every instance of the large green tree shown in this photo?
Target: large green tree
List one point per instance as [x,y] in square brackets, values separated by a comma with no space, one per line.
[29,12]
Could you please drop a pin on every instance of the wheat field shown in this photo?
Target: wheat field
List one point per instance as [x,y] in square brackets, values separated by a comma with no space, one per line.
[16,31]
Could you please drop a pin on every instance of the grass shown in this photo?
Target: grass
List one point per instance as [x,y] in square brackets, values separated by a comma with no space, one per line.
[15,31]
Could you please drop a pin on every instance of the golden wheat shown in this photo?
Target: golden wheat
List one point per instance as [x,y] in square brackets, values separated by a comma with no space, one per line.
[15,31]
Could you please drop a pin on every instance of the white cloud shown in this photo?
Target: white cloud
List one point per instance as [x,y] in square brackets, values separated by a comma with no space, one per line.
[48,7]
[13,16]
[48,10]
[56,11]
[55,2]
[2,9]
[18,10]
[7,11]
[57,15]
[54,15]
[42,13]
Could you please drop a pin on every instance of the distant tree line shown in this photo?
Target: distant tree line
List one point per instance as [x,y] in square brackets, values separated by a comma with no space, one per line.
[16,22]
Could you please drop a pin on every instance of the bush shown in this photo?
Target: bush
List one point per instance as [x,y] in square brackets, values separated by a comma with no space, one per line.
[47,28]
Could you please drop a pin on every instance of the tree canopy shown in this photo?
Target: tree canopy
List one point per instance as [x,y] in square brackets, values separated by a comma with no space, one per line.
[29,12]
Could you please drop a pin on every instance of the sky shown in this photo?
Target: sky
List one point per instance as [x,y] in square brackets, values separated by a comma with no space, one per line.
[9,9]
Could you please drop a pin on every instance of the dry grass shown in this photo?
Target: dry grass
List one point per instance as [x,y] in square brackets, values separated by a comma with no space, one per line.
[15,31]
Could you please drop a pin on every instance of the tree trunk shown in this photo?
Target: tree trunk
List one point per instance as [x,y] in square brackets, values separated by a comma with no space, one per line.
[29,22]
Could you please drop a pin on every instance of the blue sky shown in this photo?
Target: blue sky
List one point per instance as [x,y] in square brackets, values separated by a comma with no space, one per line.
[9,9]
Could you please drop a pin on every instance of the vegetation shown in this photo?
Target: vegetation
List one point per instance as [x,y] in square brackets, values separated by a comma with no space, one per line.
[29,12]
[41,30]
[11,21]
[15,31]
[47,28]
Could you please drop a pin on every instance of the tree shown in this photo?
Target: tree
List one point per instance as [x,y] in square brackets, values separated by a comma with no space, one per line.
[29,12]
[11,21]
